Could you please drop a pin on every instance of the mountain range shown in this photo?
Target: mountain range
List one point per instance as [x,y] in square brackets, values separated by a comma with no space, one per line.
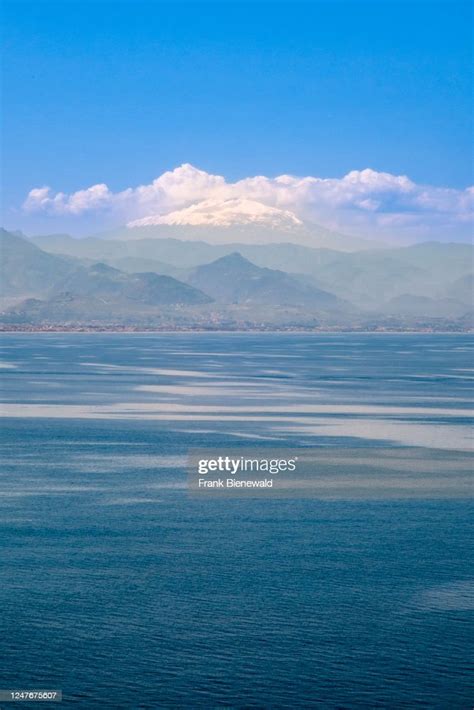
[234,279]
[163,281]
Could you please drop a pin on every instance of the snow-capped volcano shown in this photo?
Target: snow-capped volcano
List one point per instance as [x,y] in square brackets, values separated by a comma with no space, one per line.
[224,213]
[234,220]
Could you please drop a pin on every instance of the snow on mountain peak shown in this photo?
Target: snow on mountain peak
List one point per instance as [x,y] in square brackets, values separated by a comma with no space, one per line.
[224,213]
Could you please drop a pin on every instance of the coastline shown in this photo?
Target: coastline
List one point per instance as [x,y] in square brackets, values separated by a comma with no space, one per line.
[115,330]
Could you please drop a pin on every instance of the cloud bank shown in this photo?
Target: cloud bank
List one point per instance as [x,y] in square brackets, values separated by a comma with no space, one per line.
[365,203]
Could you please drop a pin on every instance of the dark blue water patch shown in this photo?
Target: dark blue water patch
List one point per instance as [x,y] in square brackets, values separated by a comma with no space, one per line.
[126,593]
[253,603]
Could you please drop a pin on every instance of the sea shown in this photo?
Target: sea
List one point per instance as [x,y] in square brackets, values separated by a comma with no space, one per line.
[123,591]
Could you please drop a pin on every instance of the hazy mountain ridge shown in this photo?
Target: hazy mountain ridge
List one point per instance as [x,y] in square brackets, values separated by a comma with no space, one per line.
[27,270]
[462,289]
[170,281]
[234,279]
[248,234]
[367,278]
[105,282]
[66,288]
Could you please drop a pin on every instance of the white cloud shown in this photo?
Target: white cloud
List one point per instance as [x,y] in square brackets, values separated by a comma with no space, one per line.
[93,198]
[363,202]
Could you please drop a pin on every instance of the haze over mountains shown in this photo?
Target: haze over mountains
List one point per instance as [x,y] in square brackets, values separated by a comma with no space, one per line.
[234,279]
[234,263]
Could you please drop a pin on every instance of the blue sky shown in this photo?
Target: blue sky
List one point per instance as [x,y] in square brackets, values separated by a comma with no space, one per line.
[119,92]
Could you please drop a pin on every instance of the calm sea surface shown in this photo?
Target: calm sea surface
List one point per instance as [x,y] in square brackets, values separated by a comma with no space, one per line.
[122,591]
